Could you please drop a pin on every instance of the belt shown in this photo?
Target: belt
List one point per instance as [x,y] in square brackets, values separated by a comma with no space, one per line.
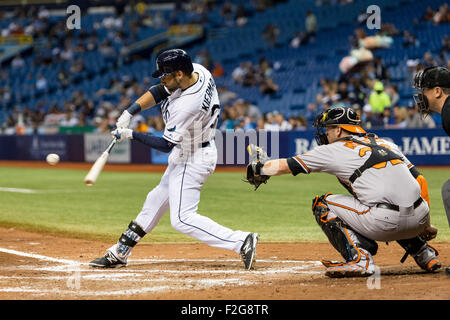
[396,207]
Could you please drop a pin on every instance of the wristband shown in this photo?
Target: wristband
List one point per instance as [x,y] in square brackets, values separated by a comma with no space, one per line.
[134,108]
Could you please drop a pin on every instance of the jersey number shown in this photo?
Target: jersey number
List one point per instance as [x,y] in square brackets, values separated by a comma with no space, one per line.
[363,151]
[213,111]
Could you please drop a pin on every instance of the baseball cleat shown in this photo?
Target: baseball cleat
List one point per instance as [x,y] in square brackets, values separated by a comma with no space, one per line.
[447,271]
[348,271]
[248,250]
[107,261]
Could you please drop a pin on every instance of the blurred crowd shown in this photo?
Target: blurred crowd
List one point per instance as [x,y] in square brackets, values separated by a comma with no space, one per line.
[259,75]
[369,90]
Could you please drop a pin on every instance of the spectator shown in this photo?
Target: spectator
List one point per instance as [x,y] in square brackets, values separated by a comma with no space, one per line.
[311,112]
[428,15]
[388,117]
[415,120]
[239,72]
[41,83]
[380,70]
[271,123]
[204,58]
[311,24]
[392,92]
[218,70]
[298,123]
[241,15]
[410,40]
[268,86]
[271,33]
[250,77]
[225,95]
[445,45]
[70,120]
[17,62]
[428,60]
[141,126]
[400,115]
[282,122]
[63,78]
[300,39]
[379,99]
[252,112]
[228,119]
[442,15]
[371,120]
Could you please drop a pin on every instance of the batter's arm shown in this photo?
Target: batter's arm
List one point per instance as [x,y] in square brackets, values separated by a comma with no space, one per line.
[153,96]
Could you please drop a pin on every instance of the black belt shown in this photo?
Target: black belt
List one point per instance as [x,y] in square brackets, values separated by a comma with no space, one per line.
[205,144]
[397,208]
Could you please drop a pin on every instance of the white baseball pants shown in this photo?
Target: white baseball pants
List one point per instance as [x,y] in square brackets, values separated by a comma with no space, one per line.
[179,192]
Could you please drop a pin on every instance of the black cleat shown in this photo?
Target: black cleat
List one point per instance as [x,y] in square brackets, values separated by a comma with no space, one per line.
[107,261]
[248,250]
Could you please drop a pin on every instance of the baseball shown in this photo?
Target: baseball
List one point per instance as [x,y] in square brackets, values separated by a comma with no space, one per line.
[52,159]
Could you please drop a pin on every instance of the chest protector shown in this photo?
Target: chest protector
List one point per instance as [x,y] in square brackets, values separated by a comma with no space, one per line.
[379,154]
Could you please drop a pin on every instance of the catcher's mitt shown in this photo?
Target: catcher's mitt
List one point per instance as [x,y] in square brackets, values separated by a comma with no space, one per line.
[257,159]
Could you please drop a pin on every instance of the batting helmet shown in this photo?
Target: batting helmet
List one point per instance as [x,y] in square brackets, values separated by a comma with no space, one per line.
[172,60]
[341,116]
[429,78]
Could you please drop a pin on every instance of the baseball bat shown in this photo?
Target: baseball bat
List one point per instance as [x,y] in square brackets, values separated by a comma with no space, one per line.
[98,165]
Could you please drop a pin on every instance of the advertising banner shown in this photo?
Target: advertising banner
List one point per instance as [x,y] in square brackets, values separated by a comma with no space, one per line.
[95,145]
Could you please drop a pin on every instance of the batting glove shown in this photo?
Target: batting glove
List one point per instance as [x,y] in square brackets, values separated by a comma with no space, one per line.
[122,134]
[124,120]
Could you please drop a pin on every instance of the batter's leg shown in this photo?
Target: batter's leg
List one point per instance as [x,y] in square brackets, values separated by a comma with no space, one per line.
[185,185]
[156,204]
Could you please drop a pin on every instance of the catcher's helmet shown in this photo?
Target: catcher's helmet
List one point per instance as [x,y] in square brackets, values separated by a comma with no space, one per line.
[429,78]
[341,116]
[172,60]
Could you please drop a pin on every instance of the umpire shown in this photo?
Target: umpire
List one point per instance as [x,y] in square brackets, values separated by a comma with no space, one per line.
[433,95]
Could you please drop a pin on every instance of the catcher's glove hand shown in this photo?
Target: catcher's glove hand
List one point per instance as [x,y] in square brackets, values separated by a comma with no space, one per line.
[257,159]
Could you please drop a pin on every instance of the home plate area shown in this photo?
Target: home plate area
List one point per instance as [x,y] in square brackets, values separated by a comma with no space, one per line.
[30,276]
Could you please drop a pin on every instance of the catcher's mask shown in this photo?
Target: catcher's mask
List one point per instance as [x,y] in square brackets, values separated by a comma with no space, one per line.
[343,117]
[426,79]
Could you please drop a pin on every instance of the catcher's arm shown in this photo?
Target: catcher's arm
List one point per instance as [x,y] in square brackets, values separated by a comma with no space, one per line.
[260,168]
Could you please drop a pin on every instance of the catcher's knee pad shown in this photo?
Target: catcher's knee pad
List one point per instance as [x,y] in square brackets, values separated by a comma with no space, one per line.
[129,239]
[320,208]
[345,240]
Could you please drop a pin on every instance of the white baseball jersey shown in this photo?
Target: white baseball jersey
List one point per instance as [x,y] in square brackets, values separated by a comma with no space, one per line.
[191,118]
[191,115]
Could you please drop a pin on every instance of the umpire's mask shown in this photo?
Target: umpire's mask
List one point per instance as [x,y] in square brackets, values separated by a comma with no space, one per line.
[426,79]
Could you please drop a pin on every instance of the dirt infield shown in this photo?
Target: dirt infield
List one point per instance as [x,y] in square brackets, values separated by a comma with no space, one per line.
[46,267]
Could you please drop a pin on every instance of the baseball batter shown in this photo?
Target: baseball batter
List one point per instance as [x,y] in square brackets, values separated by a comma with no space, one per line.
[190,108]
[389,198]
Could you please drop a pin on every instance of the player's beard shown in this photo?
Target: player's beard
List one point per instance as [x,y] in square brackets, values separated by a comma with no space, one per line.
[175,87]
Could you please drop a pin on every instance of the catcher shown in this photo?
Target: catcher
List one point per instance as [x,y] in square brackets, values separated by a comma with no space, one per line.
[389,197]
